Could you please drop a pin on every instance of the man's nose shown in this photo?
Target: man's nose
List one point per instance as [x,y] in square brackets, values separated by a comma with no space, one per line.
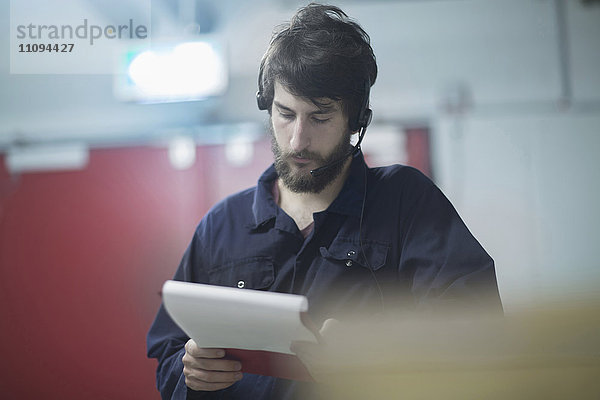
[300,139]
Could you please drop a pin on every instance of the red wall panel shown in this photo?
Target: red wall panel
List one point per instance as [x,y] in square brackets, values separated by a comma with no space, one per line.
[418,150]
[82,257]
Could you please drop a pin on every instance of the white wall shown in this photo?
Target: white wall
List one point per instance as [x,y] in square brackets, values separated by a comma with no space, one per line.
[523,170]
[528,188]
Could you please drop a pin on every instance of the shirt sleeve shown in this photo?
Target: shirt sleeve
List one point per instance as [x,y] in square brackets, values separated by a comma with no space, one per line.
[165,340]
[446,265]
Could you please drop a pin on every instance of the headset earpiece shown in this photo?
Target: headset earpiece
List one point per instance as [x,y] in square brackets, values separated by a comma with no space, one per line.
[365,114]
[365,118]
[261,101]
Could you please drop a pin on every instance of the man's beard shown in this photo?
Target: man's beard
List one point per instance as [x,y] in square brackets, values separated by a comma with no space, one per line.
[303,181]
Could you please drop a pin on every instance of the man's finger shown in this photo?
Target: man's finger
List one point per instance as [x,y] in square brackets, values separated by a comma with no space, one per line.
[328,326]
[212,376]
[305,350]
[211,364]
[199,385]
[200,352]
[192,349]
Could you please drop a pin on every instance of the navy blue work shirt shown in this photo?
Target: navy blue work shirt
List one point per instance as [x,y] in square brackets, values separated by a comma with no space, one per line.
[414,252]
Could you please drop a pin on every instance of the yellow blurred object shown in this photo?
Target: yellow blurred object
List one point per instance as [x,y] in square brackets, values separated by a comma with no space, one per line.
[534,354]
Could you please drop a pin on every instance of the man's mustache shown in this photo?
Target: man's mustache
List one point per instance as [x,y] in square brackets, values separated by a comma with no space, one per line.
[304,154]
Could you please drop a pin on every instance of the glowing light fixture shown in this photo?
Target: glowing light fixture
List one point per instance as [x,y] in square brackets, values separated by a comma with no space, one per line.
[182,152]
[47,157]
[239,151]
[187,71]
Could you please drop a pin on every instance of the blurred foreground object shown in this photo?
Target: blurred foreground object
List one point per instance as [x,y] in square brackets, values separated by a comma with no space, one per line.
[535,354]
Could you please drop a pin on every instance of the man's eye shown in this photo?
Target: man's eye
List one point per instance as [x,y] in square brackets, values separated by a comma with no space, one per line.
[320,121]
[286,116]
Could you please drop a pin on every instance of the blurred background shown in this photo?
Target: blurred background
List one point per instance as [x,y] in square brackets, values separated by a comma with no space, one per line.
[105,174]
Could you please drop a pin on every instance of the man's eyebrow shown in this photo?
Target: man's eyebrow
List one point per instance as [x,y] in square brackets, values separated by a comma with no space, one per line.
[323,108]
[281,106]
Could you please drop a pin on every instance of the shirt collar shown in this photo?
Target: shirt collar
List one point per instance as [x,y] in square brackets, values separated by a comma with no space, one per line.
[348,201]
[264,207]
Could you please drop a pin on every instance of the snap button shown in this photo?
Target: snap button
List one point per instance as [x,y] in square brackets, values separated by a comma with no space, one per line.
[351,253]
[348,263]
[241,284]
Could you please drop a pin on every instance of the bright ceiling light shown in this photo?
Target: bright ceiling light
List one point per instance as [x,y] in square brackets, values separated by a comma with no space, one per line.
[47,157]
[187,71]
[182,152]
[239,151]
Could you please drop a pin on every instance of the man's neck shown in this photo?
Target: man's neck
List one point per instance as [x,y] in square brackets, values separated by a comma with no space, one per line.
[301,206]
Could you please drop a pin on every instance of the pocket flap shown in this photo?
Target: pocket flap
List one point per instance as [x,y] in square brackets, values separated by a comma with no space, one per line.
[248,273]
[350,251]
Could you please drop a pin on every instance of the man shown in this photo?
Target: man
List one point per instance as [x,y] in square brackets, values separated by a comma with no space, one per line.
[320,223]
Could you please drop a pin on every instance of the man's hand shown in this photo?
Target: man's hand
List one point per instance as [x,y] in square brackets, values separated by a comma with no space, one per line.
[315,357]
[205,369]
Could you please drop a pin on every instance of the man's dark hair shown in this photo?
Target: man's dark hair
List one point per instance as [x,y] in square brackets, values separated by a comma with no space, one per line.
[320,53]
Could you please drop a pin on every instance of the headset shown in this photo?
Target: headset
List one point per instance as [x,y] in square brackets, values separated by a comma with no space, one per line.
[261,100]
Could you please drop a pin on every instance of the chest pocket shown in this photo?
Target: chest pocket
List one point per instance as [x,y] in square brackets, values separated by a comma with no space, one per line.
[348,252]
[249,273]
